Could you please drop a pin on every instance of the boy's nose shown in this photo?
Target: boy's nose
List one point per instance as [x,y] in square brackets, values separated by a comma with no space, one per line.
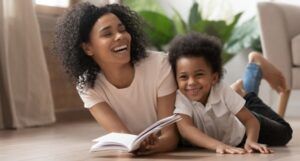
[191,81]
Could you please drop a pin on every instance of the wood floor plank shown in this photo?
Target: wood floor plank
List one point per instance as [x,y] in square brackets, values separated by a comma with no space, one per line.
[71,142]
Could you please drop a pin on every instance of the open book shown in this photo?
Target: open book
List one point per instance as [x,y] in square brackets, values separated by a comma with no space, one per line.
[129,142]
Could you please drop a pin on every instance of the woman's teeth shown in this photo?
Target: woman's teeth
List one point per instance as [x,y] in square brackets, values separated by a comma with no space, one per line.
[120,48]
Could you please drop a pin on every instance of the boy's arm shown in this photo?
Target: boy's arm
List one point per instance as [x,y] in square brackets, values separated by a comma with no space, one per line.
[252,131]
[195,136]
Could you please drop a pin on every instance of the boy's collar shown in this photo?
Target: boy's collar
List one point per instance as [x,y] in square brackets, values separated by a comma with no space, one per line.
[214,95]
[213,98]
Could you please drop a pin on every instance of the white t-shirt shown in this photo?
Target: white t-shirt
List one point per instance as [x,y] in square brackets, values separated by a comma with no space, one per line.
[217,118]
[135,105]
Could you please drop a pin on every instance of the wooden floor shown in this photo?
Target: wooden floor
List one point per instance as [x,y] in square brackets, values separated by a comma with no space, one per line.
[71,142]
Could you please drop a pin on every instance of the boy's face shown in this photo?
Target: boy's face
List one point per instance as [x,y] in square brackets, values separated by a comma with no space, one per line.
[195,78]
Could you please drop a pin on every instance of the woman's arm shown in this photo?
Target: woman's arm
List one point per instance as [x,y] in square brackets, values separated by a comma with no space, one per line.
[168,139]
[195,136]
[252,131]
[108,118]
[169,136]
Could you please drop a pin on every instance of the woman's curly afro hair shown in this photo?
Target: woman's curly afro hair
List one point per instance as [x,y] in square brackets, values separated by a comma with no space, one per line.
[197,45]
[73,29]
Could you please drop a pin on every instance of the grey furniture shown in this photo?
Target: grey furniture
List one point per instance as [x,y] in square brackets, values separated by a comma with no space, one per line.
[280,36]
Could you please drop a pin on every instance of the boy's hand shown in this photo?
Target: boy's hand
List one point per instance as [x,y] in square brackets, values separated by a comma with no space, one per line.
[262,148]
[148,145]
[223,149]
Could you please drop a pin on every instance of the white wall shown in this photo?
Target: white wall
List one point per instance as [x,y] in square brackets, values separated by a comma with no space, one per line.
[212,9]
[218,9]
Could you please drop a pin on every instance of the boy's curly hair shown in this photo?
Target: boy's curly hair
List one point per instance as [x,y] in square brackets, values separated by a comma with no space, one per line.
[73,29]
[197,45]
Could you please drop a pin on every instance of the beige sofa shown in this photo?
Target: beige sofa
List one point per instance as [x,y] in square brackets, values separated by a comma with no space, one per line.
[280,36]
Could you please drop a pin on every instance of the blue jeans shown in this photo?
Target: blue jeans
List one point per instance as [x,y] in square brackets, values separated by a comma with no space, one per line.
[252,78]
[274,130]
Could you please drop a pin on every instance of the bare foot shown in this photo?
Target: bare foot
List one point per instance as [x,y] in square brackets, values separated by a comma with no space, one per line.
[270,73]
[238,87]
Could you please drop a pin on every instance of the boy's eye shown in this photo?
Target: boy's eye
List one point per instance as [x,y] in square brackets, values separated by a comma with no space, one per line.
[199,74]
[182,77]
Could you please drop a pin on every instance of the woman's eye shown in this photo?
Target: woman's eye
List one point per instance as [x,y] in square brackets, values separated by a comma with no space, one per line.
[122,29]
[107,34]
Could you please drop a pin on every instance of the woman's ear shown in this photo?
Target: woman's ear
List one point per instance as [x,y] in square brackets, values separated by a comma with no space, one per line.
[87,49]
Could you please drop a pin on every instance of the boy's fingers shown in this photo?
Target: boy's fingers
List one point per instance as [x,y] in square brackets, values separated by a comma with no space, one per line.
[248,149]
[241,151]
[266,149]
[261,148]
[230,151]
[220,151]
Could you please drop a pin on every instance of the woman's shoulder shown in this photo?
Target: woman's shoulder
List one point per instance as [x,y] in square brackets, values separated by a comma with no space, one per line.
[156,55]
[154,58]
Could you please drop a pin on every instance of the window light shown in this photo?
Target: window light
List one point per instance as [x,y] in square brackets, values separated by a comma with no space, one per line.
[53,3]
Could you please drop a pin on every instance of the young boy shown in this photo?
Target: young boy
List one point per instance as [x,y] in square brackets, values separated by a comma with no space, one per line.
[216,116]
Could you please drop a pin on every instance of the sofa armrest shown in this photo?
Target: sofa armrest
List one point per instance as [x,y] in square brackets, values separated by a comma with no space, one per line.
[275,37]
[296,50]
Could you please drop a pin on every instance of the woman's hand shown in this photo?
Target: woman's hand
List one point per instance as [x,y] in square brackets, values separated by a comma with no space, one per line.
[148,146]
[262,148]
[227,149]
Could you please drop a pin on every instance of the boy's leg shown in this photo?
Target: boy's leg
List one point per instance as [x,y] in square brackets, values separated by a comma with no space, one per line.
[283,101]
[258,68]
[273,129]
[252,78]
[269,72]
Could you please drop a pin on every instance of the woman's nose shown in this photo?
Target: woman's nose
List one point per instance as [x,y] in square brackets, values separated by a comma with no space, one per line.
[118,36]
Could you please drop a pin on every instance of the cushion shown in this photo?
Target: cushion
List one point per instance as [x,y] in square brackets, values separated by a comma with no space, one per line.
[296,50]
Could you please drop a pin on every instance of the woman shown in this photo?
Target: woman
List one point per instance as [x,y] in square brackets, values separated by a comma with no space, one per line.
[125,87]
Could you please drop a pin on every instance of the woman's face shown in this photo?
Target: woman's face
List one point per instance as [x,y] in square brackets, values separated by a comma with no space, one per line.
[109,41]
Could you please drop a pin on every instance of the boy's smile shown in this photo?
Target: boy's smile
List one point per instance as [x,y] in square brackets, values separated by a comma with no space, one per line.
[195,78]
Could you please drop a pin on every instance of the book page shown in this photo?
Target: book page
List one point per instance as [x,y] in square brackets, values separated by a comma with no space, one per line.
[154,128]
[158,123]
[114,140]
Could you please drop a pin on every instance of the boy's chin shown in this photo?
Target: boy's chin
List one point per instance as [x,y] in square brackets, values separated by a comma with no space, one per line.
[194,98]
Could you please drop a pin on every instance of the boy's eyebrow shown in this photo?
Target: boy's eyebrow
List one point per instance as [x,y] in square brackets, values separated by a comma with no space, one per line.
[181,73]
[199,70]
